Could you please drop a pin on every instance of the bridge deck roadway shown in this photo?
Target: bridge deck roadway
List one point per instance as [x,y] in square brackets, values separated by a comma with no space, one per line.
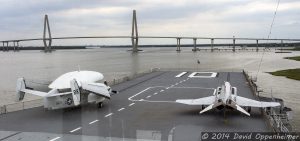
[144,109]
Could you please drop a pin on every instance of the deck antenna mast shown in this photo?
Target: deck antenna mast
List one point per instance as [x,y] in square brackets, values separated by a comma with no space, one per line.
[270,32]
[78,67]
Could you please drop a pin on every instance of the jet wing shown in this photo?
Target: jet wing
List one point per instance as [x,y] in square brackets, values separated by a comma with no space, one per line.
[96,88]
[242,101]
[200,101]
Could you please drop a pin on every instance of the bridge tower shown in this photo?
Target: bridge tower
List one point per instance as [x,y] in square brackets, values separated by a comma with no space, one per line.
[134,33]
[47,45]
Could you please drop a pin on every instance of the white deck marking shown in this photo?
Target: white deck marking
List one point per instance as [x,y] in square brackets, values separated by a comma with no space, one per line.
[193,88]
[181,74]
[54,139]
[131,104]
[172,85]
[148,96]
[155,93]
[195,75]
[176,84]
[94,121]
[130,98]
[162,90]
[75,130]
[108,115]
[167,87]
[121,109]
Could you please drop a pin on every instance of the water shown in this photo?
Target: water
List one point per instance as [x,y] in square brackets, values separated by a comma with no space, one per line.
[115,62]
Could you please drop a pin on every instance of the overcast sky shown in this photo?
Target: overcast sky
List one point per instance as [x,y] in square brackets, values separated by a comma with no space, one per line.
[204,18]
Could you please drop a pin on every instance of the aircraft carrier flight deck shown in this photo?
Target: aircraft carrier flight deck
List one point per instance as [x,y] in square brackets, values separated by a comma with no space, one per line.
[144,108]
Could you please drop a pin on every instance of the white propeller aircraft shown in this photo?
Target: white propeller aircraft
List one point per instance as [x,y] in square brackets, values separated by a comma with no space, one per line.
[70,89]
[226,96]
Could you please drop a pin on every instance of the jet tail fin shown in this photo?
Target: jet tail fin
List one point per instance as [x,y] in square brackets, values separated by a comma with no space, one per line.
[239,108]
[214,105]
[242,110]
[75,92]
[21,86]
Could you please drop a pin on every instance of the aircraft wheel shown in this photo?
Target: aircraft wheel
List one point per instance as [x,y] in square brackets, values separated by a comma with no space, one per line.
[203,107]
[249,109]
[100,105]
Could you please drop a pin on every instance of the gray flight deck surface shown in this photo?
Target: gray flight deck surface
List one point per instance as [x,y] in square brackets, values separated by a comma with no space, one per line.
[144,108]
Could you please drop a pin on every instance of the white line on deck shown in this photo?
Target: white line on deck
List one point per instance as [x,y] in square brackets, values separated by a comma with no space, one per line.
[75,129]
[181,74]
[172,85]
[155,93]
[167,87]
[121,109]
[108,115]
[94,121]
[148,96]
[131,104]
[161,90]
[54,139]
[176,84]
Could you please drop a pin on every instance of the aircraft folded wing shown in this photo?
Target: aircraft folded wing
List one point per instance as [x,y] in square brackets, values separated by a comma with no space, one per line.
[242,101]
[96,88]
[38,93]
[200,101]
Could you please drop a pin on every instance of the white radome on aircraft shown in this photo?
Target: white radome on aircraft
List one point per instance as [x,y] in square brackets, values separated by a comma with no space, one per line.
[70,89]
[226,96]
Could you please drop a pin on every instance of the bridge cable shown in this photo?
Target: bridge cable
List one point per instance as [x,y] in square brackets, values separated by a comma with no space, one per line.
[270,32]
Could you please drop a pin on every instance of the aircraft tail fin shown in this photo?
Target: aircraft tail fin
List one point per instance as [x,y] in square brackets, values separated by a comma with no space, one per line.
[228,77]
[21,86]
[214,105]
[239,108]
[75,92]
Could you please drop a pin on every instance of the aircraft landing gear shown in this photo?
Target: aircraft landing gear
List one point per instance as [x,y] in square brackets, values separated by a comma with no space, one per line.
[203,107]
[249,109]
[100,104]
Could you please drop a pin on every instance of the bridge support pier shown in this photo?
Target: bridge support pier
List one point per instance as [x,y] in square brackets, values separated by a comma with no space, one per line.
[49,39]
[178,49]
[134,33]
[195,45]
[212,45]
[16,45]
[233,45]
[281,44]
[3,46]
[256,45]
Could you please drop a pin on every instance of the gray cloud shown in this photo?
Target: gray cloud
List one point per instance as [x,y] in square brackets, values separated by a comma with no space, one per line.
[247,18]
